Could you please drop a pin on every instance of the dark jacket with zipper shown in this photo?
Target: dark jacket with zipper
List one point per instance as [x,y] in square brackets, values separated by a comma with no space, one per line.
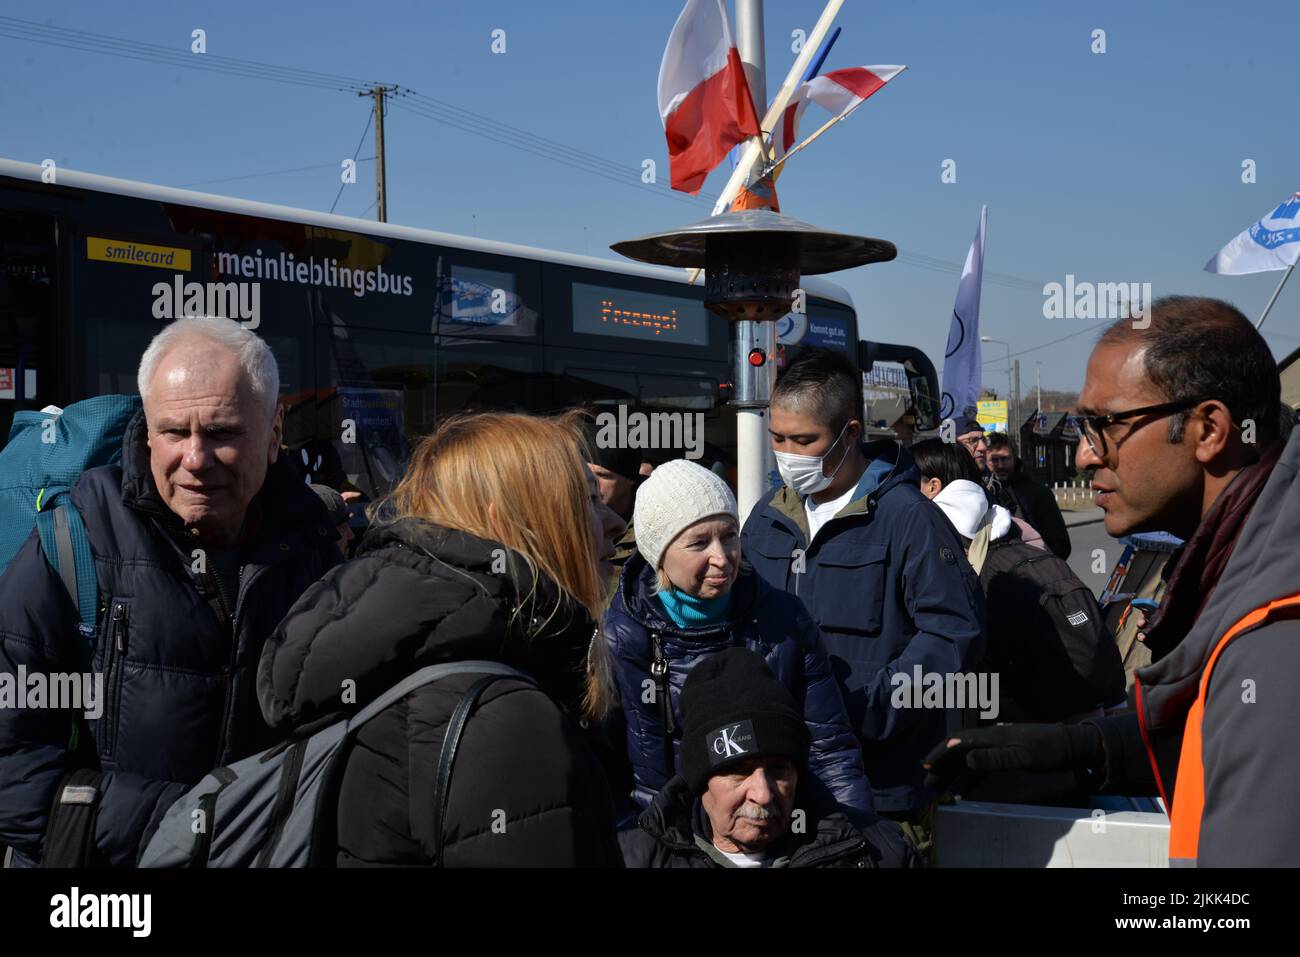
[768,621]
[1035,503]
[675,832]
[178,662]
[526,788]
[887,581]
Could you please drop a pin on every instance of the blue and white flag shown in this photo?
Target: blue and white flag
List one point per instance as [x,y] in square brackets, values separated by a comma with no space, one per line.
[962,369]
[1269,244]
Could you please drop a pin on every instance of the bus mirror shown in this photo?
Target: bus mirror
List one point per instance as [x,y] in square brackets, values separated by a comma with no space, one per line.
[922,380]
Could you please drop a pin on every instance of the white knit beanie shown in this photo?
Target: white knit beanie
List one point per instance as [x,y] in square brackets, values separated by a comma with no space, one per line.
[677,494]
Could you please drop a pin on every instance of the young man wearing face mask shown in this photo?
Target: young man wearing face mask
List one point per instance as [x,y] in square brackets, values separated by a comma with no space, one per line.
[881,570]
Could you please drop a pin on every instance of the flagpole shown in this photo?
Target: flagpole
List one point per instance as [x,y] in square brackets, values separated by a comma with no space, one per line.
[824,127]
[779,102]
[1285,276]
[754,146]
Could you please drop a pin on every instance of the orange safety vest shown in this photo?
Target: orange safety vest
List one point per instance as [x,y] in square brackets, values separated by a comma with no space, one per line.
[1189,797]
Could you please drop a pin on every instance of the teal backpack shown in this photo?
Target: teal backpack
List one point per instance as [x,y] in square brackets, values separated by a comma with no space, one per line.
[43,458]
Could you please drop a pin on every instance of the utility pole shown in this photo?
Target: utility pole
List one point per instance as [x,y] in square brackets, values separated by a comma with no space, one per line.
[1019,421]
[1038,384]
[381,183]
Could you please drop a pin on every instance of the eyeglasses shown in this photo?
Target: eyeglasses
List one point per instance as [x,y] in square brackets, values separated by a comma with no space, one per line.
[973,443]
[1092,426]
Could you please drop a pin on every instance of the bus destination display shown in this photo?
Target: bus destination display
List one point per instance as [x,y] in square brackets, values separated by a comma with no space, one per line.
[627,314]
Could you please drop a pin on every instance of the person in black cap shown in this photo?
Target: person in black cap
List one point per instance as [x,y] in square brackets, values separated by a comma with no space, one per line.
[744,798]
[618,473]
[971,435]
[339,513]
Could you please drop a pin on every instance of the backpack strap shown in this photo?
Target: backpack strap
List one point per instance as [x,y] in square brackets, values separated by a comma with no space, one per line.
[978,551]
[447,758]
[67,548]
[423,677]
[491,671]
[70,833]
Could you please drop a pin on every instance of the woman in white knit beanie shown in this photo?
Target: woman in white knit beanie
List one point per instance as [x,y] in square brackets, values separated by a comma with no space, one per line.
[687,594]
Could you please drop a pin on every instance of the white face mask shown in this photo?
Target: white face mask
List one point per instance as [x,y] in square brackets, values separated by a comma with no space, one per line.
[804,473]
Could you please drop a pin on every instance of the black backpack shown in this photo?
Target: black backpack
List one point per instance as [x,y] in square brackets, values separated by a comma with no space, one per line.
[1046,637]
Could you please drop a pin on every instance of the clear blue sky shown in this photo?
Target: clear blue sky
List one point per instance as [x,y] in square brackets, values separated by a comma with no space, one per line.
[1122,166]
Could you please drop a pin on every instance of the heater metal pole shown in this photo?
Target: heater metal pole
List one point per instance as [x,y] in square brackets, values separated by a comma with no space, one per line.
[753,384]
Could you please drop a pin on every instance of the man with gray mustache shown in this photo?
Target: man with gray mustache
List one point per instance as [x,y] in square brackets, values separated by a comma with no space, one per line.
[744,797]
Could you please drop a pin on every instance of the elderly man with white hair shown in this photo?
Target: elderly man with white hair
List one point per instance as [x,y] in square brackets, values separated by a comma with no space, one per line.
[202,538]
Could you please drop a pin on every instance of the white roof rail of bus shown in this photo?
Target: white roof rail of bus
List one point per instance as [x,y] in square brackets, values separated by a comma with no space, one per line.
[169,194]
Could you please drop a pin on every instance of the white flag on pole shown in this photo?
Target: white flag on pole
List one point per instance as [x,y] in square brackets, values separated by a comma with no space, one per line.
[962,369]
[1271,243]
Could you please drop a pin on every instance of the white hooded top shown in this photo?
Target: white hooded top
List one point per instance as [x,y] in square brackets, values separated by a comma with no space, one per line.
[968,509]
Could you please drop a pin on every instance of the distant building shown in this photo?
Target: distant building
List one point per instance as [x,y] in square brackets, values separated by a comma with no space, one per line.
[1048,441]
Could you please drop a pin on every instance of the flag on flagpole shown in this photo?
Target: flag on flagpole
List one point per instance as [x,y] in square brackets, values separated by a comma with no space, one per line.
[704,101]
[1272,242]
[839,92]
[962,369]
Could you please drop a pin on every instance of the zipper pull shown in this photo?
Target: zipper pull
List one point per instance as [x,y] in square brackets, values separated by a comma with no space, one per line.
[119,626]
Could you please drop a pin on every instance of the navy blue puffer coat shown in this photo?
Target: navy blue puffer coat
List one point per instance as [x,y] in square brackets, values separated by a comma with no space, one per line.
[178,679]
[767,621]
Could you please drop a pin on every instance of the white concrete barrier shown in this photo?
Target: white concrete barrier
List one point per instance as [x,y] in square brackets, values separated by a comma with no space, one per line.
[979,834]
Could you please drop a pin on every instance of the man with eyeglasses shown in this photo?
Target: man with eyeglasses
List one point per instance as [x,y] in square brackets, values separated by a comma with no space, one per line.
[1184,430]
[971,435]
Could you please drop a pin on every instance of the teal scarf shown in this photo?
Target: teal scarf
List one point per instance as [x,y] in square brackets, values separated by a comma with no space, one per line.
[687,611]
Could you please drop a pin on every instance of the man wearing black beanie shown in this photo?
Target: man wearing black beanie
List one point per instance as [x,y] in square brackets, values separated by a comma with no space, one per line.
[617,471]
[743,798]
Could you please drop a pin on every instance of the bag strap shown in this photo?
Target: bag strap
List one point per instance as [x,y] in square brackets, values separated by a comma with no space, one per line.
[978,551]
[447,758]
[423,677]
[70,833]
[63,538]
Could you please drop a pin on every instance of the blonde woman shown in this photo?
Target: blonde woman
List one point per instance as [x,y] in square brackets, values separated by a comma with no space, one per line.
[488,549]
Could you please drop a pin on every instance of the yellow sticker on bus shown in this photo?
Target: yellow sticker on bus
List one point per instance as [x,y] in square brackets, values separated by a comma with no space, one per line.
[137,254]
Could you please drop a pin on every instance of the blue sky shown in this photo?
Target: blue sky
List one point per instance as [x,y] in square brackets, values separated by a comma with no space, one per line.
[1115,167]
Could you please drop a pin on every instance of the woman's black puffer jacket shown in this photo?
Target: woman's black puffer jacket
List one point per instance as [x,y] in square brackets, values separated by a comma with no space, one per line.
[527,789]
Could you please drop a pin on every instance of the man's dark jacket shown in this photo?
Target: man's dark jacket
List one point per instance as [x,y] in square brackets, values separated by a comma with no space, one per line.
[673,828]
[526,789]
[888,583]
[1035,503]
[179,693]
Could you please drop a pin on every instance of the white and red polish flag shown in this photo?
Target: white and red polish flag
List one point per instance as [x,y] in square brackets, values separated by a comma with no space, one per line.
[704,101]
[839,92]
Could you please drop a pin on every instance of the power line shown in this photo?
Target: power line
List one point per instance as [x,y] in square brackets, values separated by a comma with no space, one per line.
[86,41]
[355,153]
[542,148]
[1004,356]
[273,172]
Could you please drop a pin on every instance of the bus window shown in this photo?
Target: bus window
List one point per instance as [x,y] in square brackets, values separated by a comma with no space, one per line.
[379,392]
[708,436]
[497,298]
[479,375]
[374,397]
[27,314]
